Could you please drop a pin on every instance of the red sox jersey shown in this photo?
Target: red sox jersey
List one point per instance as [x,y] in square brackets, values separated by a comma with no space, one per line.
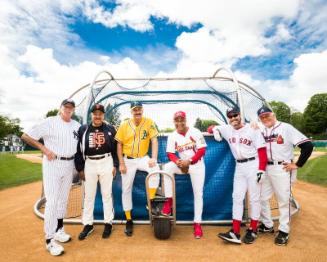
[280,141]
[187,145]
[243,142]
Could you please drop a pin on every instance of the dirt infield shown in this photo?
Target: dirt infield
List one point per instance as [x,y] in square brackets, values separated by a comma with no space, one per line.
[21,237]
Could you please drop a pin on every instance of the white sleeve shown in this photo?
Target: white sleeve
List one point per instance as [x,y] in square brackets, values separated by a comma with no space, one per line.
[258,139]
[171,144]
[295,136]
[39,130]
[200,141]
[223,130]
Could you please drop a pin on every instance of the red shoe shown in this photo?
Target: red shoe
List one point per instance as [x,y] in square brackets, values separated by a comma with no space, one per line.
[166,209]
[197,231]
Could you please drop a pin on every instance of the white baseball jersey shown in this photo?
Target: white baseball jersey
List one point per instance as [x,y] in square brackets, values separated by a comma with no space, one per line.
[187,145]
[59,136]
[243,142]
[281,139]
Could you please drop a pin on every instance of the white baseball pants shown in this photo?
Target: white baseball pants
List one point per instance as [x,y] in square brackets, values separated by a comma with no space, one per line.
[245,179]
[197,174]
[57,181]
[276,181]
[132,166]
[98,170]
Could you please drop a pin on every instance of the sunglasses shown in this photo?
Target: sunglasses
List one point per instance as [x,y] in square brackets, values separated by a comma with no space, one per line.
[232,116]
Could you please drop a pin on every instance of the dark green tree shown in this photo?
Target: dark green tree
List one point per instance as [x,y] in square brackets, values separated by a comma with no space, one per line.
[9,126]
[315,114]
[203,124]
[112,116]
[297,121]
[281,110]
[52,112]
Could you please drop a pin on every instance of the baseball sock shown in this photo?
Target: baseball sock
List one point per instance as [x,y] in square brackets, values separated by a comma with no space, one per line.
[152,193]
[128,215]
[236,226]
[60,223]
[253,225]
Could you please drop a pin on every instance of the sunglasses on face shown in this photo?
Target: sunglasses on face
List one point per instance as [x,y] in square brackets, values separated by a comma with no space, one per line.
[232,116]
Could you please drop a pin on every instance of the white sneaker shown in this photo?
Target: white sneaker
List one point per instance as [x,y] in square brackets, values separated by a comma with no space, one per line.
[61,236]
[54,248]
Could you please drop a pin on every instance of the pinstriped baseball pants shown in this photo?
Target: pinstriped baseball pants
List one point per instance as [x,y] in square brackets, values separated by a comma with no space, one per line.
[57,181]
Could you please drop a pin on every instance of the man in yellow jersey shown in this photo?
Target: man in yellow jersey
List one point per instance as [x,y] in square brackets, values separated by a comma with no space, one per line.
[134,136]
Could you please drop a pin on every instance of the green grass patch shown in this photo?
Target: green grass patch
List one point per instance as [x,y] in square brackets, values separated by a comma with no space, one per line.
[15,172]
[314,171]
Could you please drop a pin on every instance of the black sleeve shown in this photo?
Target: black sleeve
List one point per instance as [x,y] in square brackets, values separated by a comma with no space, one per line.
[114,146]
[79,159]
[306,150]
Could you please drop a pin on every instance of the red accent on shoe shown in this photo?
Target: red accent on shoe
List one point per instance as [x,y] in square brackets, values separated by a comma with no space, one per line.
[166,209]
[197,230]
[253,225]
[236,226]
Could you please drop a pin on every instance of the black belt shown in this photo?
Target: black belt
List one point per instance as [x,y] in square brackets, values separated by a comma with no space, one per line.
[64,158]
[245,160]
[129,157]
[275,162]
[98,157]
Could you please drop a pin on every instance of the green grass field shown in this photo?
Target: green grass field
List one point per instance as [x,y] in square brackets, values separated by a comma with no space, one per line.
[14,171]
[314,171]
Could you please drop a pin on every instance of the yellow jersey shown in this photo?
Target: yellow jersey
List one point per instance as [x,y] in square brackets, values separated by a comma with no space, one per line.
[136,139]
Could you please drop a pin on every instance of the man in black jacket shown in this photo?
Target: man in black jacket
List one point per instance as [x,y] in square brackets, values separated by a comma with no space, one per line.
[96,159]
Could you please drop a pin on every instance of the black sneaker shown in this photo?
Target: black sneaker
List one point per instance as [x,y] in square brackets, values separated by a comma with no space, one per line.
[281,239]
[87,230]
[263,229]
[129,228]
[107,231]
[250,236]
[230,236]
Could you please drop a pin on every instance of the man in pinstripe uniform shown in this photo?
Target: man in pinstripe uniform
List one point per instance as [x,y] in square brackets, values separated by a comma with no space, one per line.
[59,134]
[134,136]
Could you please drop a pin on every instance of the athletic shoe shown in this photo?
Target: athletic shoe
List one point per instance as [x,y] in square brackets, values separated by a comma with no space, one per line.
[54,248]
[230,236]
[281,239]
[250,236]
[87,230]
[129,228]
[197,231]
[61,236]
[107,231]
[166,209]
[263,229]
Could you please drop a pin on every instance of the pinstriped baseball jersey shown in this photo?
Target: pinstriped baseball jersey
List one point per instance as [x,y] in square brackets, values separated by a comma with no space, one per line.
[59,136]
[281,139]
[136,139]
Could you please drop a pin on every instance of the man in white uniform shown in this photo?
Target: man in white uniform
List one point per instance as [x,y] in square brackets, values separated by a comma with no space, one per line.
[96,160]
[59,134]
[280,141]
[190,145]
[248,148]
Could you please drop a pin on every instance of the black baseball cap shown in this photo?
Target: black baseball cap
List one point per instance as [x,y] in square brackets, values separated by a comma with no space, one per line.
[232,110]
[98,107]
[68,101]
[136,104]
[264,110]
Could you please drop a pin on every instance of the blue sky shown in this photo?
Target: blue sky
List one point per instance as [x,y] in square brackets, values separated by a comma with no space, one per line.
[50,48]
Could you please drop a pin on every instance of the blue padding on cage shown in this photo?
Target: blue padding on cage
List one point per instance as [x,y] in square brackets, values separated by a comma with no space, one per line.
[217,193]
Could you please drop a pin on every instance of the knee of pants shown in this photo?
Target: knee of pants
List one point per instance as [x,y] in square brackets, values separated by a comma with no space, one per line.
[237,199]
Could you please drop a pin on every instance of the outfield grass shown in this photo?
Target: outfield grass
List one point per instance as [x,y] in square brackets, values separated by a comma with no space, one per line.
[14,171]
[314,171]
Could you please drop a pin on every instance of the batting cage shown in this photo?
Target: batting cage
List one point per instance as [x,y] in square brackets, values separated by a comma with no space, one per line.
[205,101]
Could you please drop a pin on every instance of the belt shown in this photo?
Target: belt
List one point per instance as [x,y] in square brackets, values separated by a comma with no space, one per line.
[129,157]
[98,157]
[64,158]
[245,160]
[275,162]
